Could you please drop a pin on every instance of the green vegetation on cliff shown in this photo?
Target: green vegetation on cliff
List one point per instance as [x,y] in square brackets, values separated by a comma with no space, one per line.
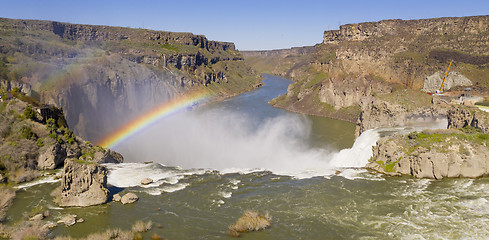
[29,142]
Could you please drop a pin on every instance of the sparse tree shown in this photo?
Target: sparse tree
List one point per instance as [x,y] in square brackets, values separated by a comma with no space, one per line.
[51,125]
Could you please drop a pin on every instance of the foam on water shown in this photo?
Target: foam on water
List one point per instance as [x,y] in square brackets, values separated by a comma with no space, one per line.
[297,161]
[165,179]
[226,194]
[47,179]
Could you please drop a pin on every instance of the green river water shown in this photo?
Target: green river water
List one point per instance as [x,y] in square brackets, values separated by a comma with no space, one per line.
[214,162]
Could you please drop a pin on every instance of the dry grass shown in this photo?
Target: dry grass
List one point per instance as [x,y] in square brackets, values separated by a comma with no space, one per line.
[250,221]
[7,195]
[141,226]
[30,230]
[107,235]
[117,233]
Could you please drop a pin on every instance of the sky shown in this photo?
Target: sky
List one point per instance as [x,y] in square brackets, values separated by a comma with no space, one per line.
[250,24]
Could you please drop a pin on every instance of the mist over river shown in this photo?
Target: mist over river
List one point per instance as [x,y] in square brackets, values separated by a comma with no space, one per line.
[213,162]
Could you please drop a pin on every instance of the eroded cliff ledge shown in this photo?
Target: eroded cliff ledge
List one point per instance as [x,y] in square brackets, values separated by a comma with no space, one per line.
[102,76]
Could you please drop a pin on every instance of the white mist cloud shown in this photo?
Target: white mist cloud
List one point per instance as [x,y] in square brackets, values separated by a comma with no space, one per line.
[225,139]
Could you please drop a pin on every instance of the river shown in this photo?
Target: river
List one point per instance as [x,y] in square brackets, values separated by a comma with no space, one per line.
[214,162]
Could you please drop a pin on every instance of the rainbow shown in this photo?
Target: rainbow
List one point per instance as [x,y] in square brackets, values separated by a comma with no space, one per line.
[149,118]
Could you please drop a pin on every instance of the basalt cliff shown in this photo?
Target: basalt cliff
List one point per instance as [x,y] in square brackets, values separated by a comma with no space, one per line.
[377,73]
[103,76]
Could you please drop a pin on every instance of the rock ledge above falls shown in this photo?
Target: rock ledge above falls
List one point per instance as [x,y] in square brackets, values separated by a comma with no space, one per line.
[460,151]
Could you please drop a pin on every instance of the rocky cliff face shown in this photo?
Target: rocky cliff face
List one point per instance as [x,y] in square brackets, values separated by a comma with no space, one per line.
[399,54]
[381,113]
[28,143]
[350,91]
[83,184]
[462,116]
[432,155]
[103,76]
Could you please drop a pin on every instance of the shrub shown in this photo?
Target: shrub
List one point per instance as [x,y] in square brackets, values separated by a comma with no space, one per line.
[69,136]
[29,113]
[51,125]
[250,221]
[413,135]
[469,129]
[27,133]
[40,143]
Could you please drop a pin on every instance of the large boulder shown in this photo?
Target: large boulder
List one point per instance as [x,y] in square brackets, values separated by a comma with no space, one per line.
[434,82]
[108,156]
[53,157]
[129,198]
[83,184]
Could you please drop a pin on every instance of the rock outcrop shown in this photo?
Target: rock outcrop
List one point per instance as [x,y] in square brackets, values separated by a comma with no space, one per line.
[68,220]
[53,157]
[83,184]
[146,181]
[347,92]
[454,79]
[435,154]
[108,156]
[11,85]
[379,113]
[39,145]
[116,197]
[462,116]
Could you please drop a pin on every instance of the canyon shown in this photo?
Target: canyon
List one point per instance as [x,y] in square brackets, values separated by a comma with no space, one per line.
[103,76]
[373,63]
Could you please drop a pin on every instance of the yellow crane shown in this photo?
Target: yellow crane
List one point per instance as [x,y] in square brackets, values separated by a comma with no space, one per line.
[446,74]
